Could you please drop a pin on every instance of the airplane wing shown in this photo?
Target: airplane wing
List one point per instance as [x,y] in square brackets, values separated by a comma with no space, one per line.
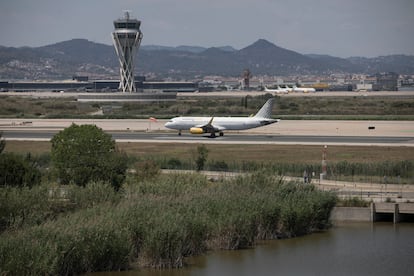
[209,127]
[206,128]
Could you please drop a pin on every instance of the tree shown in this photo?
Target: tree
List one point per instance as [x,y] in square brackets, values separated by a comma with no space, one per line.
[202,157]
[84,153]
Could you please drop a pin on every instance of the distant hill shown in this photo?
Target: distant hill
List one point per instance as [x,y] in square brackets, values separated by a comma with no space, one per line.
[183,48]
[78,51]
[82,57]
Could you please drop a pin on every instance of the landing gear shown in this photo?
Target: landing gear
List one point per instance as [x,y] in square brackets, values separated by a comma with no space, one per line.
[213,134]
[179,133]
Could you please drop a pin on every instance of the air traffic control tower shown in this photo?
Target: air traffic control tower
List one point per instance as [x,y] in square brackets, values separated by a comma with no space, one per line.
[127,38]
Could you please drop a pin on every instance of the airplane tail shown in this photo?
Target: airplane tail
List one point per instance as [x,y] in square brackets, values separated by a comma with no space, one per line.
[266,110]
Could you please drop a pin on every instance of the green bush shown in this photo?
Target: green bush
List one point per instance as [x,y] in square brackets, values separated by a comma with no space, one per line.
[202,153]
[218,166]
[174,163]
[17,171]
[85,153]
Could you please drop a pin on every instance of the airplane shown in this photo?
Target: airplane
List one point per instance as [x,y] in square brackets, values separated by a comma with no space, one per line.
[303,89]
[287,88]
[212,125]
[278,90]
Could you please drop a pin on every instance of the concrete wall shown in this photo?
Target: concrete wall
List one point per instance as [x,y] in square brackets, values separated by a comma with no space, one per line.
[351,214]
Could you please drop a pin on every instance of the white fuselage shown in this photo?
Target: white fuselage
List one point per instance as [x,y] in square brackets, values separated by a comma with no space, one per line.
[277,91]
[212,125]
[303,89]
[221,123]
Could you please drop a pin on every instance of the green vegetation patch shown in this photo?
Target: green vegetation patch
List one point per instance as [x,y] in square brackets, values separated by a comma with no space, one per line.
[158,222]
[321,108]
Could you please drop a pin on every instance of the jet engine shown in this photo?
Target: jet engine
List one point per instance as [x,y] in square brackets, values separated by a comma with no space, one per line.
[196,130]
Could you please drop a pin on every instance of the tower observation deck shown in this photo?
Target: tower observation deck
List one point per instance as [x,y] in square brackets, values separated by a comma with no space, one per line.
[127,38]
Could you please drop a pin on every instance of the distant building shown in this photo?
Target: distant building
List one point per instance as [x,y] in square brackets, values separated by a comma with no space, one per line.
[80,78]
[44,86]
[98,86]
[364,87]
[162,86]
[386,82]
[340,87]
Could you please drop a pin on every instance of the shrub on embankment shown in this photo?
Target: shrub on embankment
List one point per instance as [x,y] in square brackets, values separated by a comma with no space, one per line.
[160,221]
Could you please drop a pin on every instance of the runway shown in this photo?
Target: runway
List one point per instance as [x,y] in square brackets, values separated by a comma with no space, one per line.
[229,138]
[385,133]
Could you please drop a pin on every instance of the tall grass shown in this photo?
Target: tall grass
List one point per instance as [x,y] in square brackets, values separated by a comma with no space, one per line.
[21,207]
[89,240]
[159,221]
[401,171]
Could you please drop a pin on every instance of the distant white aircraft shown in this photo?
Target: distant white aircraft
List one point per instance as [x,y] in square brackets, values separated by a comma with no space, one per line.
[303,89]
[212,125]
[278,90]
[287,88]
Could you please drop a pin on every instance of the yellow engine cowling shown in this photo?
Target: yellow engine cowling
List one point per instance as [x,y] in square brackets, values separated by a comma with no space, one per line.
[196,130]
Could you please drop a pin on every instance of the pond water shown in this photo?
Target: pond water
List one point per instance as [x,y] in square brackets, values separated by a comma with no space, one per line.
[345,249]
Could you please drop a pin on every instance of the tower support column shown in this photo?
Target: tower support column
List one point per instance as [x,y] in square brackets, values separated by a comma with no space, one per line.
[127,38]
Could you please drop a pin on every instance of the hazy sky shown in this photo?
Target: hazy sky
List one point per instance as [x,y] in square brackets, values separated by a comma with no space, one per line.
[336,27]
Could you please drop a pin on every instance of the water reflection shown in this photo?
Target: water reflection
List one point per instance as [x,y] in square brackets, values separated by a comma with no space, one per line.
[346,249]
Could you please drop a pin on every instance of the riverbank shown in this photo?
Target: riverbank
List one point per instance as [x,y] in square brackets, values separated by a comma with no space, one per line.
[154,222]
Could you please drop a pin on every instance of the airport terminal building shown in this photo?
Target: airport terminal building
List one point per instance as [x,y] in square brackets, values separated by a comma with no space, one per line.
[82,84]
[105,90]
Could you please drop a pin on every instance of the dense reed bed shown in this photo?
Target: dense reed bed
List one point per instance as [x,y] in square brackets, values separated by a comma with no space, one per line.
[154,222]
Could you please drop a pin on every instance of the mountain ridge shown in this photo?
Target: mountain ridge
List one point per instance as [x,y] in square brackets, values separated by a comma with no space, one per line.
[83,57]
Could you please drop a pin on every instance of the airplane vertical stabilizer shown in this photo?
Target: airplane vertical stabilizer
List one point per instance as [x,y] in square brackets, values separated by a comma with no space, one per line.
[266,110]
